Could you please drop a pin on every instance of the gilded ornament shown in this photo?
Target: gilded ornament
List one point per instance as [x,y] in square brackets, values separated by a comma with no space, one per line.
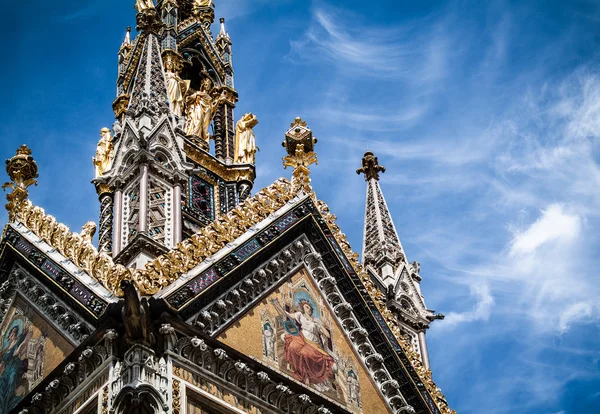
[176,396]
[245,141]
[144,5]
[120,105]
[370,167]
[105,152]
[23,171]
[88,231]
[105,400]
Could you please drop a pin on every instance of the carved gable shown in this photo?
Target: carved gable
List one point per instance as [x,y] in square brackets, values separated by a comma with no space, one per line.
[294,331]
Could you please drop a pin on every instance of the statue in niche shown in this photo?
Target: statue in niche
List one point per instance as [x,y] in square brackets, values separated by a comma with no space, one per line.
[177,89]
[245,141]
[104,152]
[201,106]
[143,5]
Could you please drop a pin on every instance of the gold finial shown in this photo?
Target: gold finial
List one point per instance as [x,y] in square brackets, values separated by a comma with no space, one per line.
[370,167]
[23,171]
[300,144]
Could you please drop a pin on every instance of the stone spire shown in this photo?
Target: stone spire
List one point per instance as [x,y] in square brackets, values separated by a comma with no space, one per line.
[382,250]
[385,260]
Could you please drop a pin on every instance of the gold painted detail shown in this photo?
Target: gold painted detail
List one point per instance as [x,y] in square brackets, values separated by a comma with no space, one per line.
[23,171]
[227,173]
[105,400]
[120,105]
[245,141]
[169,267]
[143,5]
[299,145]
[176,396]
[73,246]
[370,167]
[188,254]
[105,152]
[380,300]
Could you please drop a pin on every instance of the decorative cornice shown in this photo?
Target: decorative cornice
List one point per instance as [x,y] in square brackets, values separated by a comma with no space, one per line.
[68,322]
[73,247]
[215,363]
[226,172]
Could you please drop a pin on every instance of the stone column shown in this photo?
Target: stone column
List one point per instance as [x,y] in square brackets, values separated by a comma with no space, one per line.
[117,223]
[177,214]
[105,235]
[423,348]
[143,222]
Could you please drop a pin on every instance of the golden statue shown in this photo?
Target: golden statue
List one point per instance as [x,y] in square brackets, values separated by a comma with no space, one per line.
[245,141]
[177,89]
[201,108]
[143,5]
[104,152]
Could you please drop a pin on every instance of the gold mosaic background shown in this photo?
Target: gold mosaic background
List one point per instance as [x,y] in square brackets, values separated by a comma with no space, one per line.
[293,331]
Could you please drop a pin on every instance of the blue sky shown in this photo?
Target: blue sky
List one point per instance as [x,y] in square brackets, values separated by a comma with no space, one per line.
[486,114]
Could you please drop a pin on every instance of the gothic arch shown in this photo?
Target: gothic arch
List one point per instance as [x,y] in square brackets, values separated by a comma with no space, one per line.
[141,400]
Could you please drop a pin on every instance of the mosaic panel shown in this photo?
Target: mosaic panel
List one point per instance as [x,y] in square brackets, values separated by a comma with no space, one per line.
[294,332]
[30,349]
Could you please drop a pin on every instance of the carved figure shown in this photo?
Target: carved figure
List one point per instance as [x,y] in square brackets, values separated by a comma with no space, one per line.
[143,5]
[200,111]
[177,89]
[88,231]
[136,317]
[245,141]
[104,152]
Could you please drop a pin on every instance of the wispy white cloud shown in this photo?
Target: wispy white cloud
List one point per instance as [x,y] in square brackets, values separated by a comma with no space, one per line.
[344,40]
[554,225]
[480,312]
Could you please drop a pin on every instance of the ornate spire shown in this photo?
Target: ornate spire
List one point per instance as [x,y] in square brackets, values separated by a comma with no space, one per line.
[223,33]
[381,246]
[23,171]
[149,93]
[127,40]
[300,144]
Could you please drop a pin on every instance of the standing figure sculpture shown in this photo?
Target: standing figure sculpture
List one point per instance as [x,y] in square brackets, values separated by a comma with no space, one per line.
[245,141]
[177,89]
[104,152]
[143,5]
[201,108]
